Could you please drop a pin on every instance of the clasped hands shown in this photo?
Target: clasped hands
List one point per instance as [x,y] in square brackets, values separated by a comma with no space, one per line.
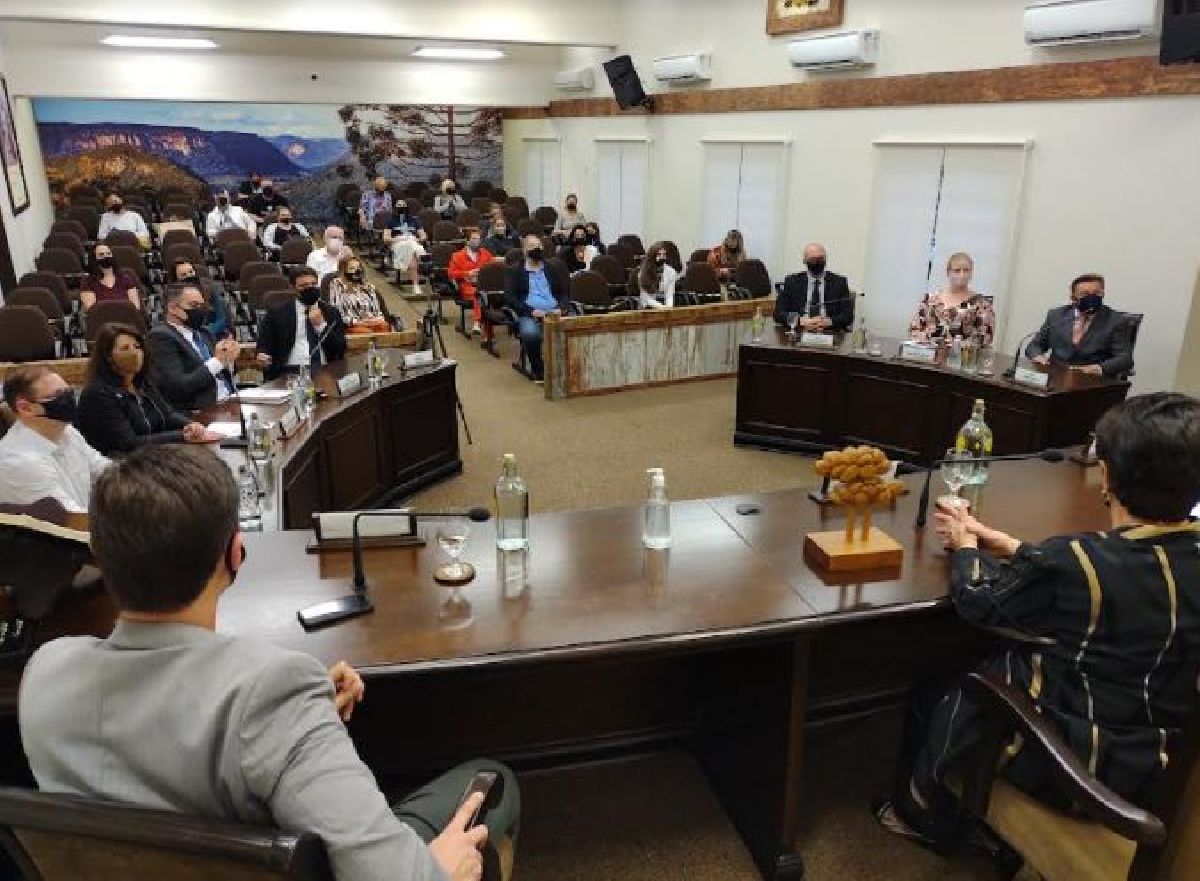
[226,351]
[815,324]
[958,529]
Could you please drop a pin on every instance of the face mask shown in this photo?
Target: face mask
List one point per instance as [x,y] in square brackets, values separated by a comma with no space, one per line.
[500,232]
[355,276]
[187,279]
[285,221]
[580,241]
[731,247]
[570,206]
[223,201]
[660,261]
[402,208]
[333,245]
[127,363]
[381,190]
[60,408]
[535,254]
[309,296]
[195,317]
[116,207]
[1089,303]
[816,267]
[268,191]
[472,246]
[104,262]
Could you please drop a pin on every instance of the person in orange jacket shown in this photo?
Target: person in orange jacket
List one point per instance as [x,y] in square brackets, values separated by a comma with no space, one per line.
[463,270]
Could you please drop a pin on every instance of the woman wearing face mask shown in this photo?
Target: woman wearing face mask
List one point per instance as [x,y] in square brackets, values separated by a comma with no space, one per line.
[448,203]
[119,408]
[725,257]
[576,254]
[956,310]
[463,270]
[362,308]
[656,278]
[106,283]
[183,271]
[593,233]
[501,238]
[570,218]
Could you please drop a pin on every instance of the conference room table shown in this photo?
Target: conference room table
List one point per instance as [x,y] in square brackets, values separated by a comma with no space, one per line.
[794,397]
[729,644]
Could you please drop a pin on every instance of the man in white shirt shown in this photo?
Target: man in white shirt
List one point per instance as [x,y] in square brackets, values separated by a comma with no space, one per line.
[192,369]
[325,260]
[116,217]
[43,455]
[305,333]
[227,216]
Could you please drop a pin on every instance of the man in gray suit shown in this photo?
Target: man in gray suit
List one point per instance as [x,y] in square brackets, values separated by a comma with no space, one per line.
[1086,334]
[166,713]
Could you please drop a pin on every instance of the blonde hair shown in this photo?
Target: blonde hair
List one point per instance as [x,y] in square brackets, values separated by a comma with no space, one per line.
[960,255]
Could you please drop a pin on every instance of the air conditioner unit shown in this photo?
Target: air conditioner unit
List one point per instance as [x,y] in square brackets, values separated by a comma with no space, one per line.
[581,80]
[848,49]
[693,68]
[1064,22]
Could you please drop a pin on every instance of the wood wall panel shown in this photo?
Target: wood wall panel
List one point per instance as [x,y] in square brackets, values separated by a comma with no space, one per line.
[1138,77]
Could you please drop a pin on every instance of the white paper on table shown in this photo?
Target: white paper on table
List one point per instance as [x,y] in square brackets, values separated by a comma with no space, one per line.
[225,429]
[264,395]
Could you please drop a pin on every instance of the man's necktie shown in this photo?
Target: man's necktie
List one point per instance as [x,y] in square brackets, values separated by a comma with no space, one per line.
[814,303]
[1079,329]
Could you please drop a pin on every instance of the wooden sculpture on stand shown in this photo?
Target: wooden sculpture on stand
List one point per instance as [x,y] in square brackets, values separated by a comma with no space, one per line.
[859,472]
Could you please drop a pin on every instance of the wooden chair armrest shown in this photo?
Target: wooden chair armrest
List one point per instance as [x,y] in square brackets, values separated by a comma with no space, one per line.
[1012,710]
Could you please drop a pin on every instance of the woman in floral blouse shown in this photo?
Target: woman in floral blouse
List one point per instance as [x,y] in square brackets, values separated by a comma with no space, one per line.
[956,310]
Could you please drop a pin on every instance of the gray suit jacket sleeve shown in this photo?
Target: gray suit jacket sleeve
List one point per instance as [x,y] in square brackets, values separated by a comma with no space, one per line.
[298,759]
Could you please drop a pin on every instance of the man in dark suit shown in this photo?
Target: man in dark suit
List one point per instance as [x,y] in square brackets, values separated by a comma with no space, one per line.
[534,290]
[822,298]
[1085,334]
[305,332]
[192,369]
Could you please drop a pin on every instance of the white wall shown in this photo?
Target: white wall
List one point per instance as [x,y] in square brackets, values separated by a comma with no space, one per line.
[27,231]
[1111,186]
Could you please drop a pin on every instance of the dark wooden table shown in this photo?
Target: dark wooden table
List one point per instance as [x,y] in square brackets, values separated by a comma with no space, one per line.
[728,645]
[810,399]
[374,446]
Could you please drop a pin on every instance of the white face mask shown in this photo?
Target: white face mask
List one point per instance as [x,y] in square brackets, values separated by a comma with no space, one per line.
[333,245]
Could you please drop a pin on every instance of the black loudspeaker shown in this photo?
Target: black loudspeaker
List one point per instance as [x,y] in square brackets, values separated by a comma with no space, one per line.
[626,84]
[1181,32]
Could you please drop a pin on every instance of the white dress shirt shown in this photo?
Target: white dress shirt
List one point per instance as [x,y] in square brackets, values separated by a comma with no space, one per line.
[322,262]
[214,364]
[666,287]
[33,467]
[231,217]
[129,221]
[301,355]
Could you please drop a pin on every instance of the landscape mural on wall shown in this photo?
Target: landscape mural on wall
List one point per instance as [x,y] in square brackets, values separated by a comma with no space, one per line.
[306,149]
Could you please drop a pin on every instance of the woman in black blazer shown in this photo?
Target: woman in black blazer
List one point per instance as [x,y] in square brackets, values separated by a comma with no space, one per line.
[119,410]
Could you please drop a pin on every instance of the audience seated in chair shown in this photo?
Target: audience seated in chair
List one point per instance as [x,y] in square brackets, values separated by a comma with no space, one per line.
[119,408]
[115,216]
[375,200]
[280,230]
[448,203]
[228,216]
[184,272]
[406,241]
[463,270]
[192,369]
[356,299]
[501,238]
[324,261]
[725,257]
[535,290]
[43,455]
[656,278]
[594,239]
[266,202]
[105,282]
[569,218]
[576,254]
[304,332]
[227,727]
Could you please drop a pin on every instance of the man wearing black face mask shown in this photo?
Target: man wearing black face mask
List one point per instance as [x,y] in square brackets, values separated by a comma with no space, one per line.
[303,333]
[1086,334]
[191,368]
[116,217]
[283,228]
[227,216]
[266,201]
[535,289]
[43,455]
[822,298]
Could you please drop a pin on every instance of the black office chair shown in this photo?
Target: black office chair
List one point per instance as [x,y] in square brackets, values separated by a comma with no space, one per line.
[1133,320]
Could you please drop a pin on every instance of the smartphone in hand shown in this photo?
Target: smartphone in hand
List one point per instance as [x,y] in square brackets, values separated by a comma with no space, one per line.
[491,785]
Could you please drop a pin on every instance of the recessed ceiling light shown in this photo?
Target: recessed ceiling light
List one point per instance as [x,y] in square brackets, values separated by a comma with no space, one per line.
[457,53]
[158,42]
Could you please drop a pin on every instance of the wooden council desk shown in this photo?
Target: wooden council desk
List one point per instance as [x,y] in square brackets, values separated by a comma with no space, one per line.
[728,644]
[798,398]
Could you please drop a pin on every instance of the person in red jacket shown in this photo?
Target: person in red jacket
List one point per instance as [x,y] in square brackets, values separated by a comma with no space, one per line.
[463,270]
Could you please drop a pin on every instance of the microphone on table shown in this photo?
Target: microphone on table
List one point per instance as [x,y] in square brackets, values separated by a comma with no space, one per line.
[358,603]
[1012,370]
[923,505]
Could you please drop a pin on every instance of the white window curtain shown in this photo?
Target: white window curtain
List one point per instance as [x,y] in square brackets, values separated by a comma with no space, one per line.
[931,201]
[744,186]
[621,171]
[541,173]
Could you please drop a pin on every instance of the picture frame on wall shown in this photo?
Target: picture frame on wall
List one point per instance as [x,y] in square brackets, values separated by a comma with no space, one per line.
[792,16]
[10,155]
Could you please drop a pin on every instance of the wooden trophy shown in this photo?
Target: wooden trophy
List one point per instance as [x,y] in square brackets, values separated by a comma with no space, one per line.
[859,472]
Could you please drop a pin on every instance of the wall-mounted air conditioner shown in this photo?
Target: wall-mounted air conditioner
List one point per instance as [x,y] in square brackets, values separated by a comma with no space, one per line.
[848,49]
[692,68]
[1064,22]
[580,80]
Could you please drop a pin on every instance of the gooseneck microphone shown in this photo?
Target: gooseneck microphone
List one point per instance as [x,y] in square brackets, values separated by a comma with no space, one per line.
[923,504]
[476,515]
[1012,370]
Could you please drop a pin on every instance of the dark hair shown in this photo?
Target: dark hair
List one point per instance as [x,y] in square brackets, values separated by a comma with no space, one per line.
[100,368]
[1086,277]
[302,271]
[160,520]
[1151,445]
[177,289]
[650,273]
[579,227]
[18,382]
[179,261]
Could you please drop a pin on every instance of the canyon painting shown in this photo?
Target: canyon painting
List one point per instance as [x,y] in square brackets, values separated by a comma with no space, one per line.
[308,150]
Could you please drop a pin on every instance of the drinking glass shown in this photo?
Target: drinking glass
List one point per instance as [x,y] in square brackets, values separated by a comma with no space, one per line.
[793,318]
[987,360]
[874,346]
[452,537]
[957,466]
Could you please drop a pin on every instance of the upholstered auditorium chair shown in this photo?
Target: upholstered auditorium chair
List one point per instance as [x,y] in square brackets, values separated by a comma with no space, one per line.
[25,334]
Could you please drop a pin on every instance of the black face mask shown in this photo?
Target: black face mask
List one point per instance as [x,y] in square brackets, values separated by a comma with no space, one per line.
[309,296]
[196,317]
[816,267]
[223,201]
[187,279]
[285,221]
[579,243]
[104,262]
[60,408]
[268,191]
[116,207]
[356,276]
[570,206]
[1088,304]
[449,191]
[660,261]
[536,254]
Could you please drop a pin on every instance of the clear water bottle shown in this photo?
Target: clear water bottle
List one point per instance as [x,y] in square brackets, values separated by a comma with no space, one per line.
[757,325]
[976,438]
[310,392]
[513,567]
[512,508]
[374,364]
[954,355]
[656,528]
[298,403]
[249,505]
[258,439]
[859,340]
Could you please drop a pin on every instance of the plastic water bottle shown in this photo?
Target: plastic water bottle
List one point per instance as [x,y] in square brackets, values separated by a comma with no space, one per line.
[757,325]
[298,402]
[656,528]
[976,438]
[310,392]
[249,506]
[859,339]
[374,364]
[258,438]
[513,567]
[512,508]
[954,356]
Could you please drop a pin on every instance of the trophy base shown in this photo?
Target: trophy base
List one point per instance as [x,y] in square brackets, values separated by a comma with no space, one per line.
[831,551]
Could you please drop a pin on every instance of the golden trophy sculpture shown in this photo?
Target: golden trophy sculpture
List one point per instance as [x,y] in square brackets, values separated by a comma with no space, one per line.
[859,472]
